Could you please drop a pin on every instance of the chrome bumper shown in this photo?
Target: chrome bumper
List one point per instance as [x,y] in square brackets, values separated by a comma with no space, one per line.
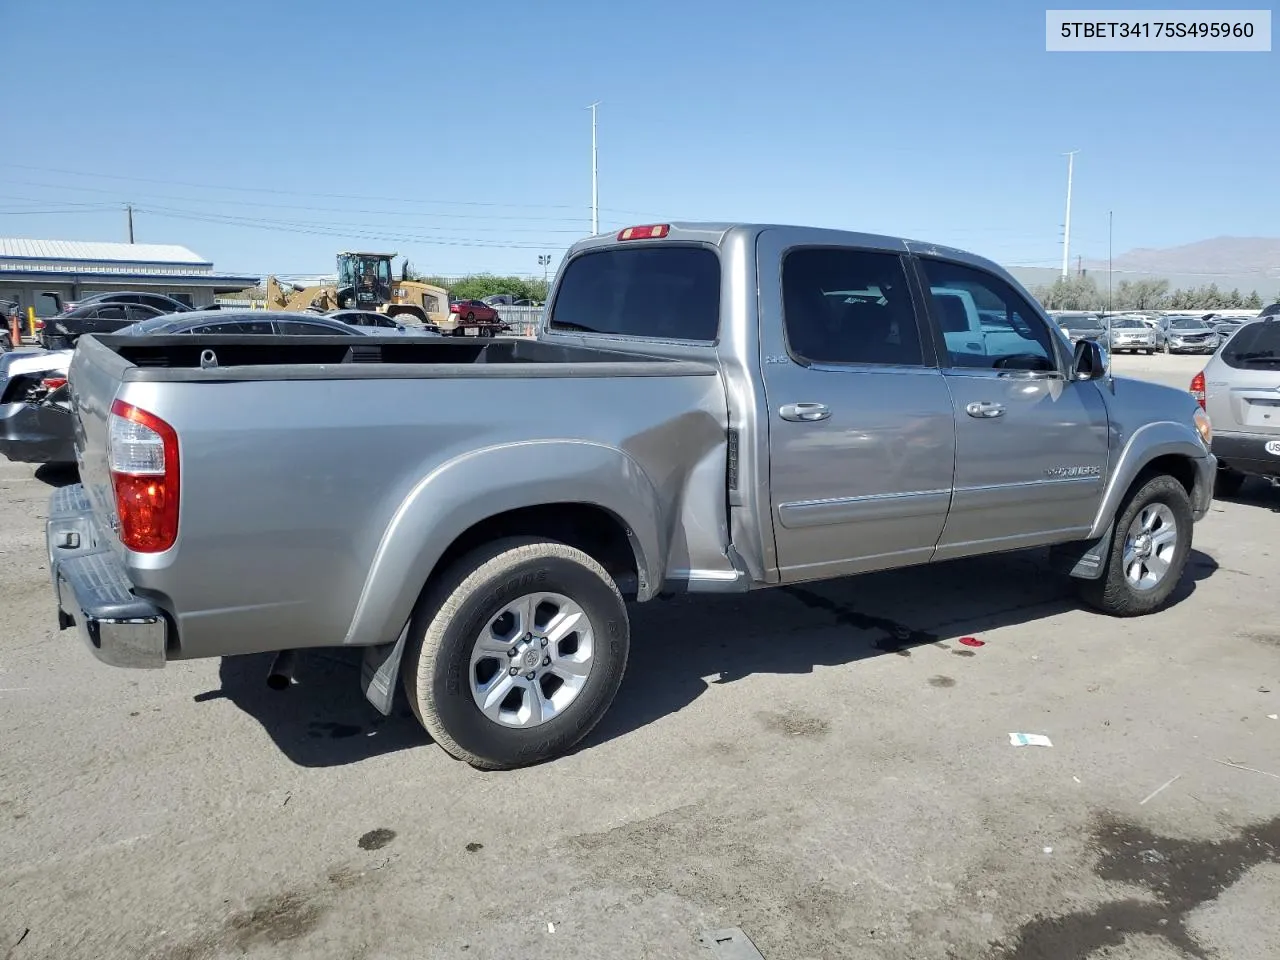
[92,590]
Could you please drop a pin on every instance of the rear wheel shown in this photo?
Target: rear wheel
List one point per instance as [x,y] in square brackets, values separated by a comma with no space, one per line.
[1148,552]
[522,646]
[1228,482]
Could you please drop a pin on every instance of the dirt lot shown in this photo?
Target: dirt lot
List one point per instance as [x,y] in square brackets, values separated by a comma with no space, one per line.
[827,768]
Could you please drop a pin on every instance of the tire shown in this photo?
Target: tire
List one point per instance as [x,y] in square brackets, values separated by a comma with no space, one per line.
[1148,352]
[441,669]
[1114,593]
[1228,482]
[470,317]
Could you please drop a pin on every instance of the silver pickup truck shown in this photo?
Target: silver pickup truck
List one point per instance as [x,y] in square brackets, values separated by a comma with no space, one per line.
[707,408]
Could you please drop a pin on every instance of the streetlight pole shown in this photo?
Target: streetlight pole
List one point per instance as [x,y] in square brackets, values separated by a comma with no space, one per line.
[1066,226]
[544,261]
[595,183]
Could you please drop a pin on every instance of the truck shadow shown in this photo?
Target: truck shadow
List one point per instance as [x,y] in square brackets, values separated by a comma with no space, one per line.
[57,474]
[681,646]
[1257,493]
[323,720]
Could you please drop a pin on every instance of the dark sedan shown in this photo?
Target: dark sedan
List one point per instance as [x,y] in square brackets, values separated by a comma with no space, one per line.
[156,301]
[39,430]
[62,332]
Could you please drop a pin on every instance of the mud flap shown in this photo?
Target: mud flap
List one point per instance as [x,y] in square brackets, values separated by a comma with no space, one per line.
[380,670]
[1082,559]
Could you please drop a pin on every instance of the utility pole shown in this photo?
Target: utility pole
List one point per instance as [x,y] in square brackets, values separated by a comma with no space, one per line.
[129,211]
[595,183]
[1066,227]
[1079,265]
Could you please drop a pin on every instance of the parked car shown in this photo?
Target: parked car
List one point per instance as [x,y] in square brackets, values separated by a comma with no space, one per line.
[1079,327]
[758,430]
[157,301]
[498,300]
[35,417]
[473,310]
[373,322]
[1132,335]
[62,332]
[1240,390]
[1190,335]
[31,429]
[256,322]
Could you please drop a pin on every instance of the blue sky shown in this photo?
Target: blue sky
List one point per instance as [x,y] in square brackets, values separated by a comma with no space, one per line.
[941,120]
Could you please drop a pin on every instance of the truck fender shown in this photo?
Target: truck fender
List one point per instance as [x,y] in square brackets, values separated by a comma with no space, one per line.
[484,483]
[1149,442]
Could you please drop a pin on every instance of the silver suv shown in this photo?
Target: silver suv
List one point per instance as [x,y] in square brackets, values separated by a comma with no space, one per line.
[1240,390]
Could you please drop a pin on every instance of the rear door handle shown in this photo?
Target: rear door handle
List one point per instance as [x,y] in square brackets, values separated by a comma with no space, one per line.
[804,412]
[985,409]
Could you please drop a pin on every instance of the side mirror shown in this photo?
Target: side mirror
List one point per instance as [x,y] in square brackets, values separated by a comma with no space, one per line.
[1090,362]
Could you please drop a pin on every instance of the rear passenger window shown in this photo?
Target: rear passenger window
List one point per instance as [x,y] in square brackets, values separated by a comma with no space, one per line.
[664,292]
[1255,346]
[984,322]
[849,306]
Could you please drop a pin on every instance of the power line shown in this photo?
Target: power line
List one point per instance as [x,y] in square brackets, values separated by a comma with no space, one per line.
[292,206]
[397,238]
[300,193]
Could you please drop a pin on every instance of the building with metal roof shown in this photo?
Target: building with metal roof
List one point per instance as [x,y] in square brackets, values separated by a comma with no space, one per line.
[45,274]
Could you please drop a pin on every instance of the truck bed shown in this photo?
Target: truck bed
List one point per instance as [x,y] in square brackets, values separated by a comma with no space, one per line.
[170,358]
[321,478]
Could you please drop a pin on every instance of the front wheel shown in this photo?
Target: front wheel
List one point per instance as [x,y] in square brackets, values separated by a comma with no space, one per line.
[521,648]
[1149,550]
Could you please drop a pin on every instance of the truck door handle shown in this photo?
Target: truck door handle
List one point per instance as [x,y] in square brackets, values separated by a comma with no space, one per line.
[985,409]
[804,412]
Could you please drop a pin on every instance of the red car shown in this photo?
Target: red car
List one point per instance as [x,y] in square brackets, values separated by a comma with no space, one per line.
[473,310]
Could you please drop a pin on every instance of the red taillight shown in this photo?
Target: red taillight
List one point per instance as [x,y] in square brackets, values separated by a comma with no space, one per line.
[653,231]
[142,454]
[1197,388]
[39,324]
[453,308]
[53,383]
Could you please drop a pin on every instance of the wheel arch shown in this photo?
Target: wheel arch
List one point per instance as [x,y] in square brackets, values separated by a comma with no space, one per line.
[586,494]
[1161,447]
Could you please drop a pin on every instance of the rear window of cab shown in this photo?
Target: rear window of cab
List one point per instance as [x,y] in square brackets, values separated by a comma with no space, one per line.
[667,292]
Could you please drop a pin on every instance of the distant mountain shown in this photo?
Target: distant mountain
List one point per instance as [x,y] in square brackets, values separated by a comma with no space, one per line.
[1237,258]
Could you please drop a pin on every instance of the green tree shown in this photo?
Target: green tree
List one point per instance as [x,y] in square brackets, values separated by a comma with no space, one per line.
[1234,299]
[477,286]
[1070,293]
[1253,301]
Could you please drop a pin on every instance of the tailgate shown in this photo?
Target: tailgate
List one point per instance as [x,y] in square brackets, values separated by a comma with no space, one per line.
[1258,410]
[95,378]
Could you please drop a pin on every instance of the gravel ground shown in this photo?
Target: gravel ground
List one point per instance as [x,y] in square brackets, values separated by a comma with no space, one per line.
[827,768]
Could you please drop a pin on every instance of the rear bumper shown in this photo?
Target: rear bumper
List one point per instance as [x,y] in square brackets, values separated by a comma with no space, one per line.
[1247,453]
[92,590]
[30,433]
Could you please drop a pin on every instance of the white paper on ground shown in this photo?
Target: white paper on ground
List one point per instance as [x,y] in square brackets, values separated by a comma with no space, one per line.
[1029,740]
